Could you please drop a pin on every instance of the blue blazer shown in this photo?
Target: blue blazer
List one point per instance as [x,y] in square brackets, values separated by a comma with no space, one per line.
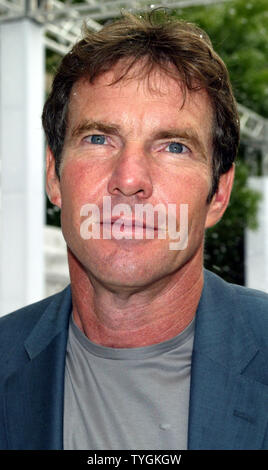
[229,382]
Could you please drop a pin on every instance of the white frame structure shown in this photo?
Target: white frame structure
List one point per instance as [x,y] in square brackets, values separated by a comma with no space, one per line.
[22,209]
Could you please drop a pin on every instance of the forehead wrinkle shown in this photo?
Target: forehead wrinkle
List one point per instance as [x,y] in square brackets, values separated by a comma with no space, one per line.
[103,82]
[152,80]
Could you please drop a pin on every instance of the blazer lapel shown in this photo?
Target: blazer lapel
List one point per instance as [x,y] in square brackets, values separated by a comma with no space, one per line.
[228,410]
[35,393]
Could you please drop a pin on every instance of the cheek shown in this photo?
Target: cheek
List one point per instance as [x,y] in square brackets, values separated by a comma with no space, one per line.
[78,184]
[192,190]
[188,187]
[74,191]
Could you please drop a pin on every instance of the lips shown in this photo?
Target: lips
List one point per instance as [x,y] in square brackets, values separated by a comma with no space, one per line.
[132,223]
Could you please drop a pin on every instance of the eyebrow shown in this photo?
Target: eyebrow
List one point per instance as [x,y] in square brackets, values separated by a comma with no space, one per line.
[89,126]
[187,134]
[173,133]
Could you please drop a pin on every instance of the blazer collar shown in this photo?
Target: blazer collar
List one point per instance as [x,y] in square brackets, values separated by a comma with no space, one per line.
[34,397]
[52,322]
[227,408]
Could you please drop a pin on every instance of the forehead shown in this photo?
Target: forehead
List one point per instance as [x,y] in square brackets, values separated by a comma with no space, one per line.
[151,98]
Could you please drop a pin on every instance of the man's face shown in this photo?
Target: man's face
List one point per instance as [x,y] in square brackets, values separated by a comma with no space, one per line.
[137,143]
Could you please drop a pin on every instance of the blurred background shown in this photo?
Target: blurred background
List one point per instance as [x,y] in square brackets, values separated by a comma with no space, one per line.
[34,35]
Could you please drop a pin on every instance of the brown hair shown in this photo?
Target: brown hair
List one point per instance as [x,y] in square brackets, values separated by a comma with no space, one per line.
[160,43]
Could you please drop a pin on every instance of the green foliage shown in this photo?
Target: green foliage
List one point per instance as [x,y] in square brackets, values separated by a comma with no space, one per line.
[239,33]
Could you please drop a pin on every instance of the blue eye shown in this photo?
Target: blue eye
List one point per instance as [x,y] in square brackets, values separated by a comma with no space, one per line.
[97,139]
[176,147]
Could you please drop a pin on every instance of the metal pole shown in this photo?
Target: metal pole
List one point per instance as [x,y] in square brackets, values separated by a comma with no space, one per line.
[22,160]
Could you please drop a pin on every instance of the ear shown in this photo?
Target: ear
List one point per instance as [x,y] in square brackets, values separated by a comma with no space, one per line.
[52,180]
[221,198]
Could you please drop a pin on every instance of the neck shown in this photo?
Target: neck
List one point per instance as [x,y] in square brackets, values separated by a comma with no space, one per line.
[137,318]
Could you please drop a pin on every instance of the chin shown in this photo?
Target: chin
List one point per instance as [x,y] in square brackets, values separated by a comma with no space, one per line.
[124,264]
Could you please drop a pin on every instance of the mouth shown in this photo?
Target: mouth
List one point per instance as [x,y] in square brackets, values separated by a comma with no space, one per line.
[129,223]
[120,228]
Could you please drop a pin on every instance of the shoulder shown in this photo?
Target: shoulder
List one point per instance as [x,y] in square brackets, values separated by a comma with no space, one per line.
[25,316]
[16,326]
[219,282]
[226,290]
[251,304]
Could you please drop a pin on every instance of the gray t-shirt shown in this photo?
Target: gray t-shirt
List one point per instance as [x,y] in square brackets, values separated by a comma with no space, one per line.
[126,399]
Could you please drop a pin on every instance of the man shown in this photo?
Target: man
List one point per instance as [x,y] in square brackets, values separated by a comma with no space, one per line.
[145,349]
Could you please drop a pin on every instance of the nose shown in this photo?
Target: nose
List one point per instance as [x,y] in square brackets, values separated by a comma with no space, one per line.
[131,174]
